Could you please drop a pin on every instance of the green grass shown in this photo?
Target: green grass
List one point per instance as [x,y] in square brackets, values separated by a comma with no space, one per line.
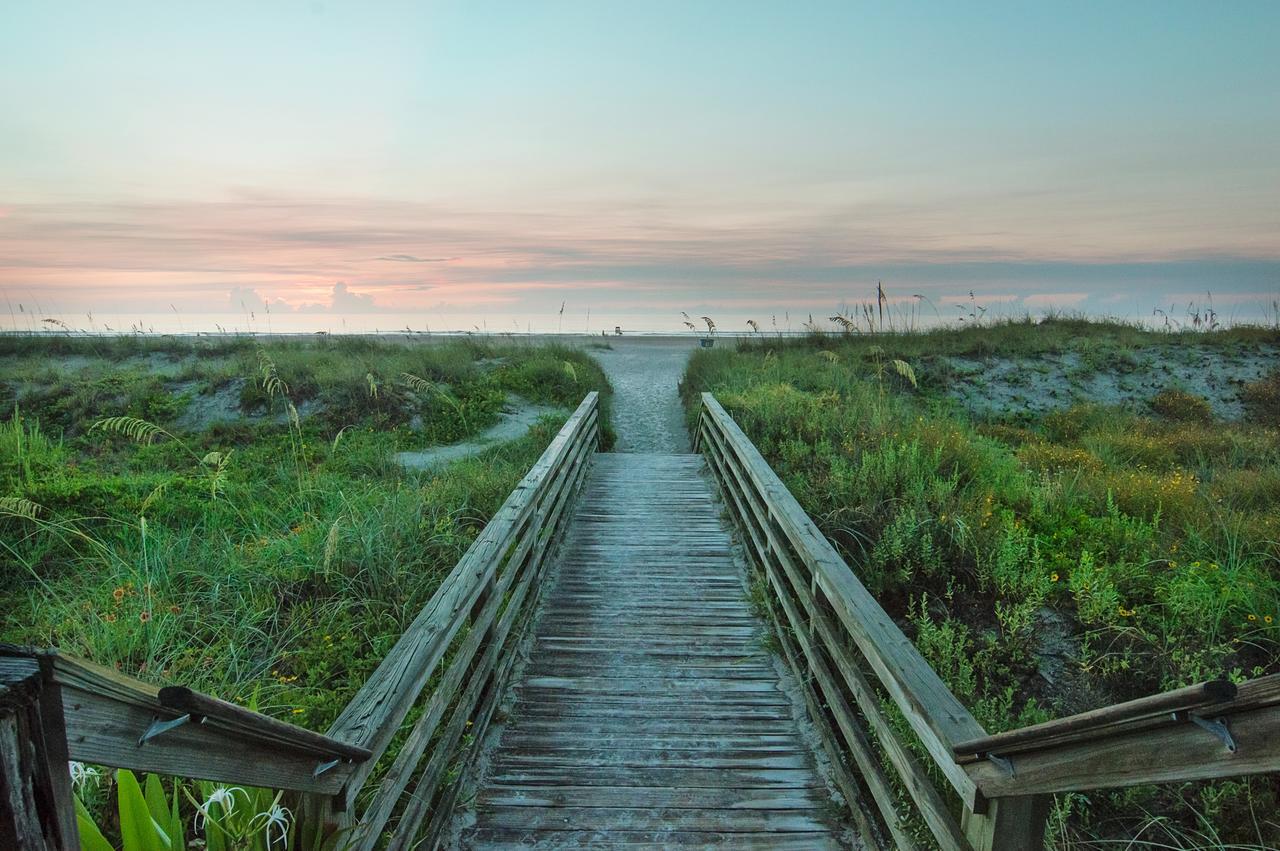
[1152,540]
[272,559]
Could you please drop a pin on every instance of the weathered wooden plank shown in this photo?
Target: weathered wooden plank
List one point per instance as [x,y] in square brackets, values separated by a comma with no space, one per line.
[673,686]
[648,690]
[635,818]
[1176,752]
[684,710]
[524,740]
[606,726]
[674,797]
[105,731]
[502,839]
[249,724]
[609,775]
[36,809]
[649,671]
[608,757]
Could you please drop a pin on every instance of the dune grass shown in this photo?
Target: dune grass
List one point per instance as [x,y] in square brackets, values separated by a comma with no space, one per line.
[272,557]
[1043,565]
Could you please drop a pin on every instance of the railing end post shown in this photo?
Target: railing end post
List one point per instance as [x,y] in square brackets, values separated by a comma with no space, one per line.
[1007,824]
[36,806]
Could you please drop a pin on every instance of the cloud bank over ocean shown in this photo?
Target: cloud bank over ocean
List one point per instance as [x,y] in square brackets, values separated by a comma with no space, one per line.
[446,165]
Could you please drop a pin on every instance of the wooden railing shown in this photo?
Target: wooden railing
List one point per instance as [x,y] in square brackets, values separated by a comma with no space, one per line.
[462,644]
[857,669]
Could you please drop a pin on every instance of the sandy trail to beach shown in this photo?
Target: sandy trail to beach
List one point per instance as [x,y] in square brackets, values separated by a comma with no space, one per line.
[645,373]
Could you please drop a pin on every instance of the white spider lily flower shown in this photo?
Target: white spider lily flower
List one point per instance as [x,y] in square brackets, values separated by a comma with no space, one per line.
[82,774]
[223,796]
[276,819]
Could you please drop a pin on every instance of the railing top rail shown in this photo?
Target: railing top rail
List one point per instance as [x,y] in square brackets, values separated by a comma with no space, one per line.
[1212,697]
[118,720]
[1201,740]
[937,716]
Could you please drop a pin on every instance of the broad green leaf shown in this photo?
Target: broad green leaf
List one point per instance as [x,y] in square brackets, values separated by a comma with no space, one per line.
[153,791]
[177,834]
[91,838]
[138,830]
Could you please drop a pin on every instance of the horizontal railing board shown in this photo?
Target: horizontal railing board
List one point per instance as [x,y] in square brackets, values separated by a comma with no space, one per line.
[1176,752]
[104,730]
[254,724]
[1210,697]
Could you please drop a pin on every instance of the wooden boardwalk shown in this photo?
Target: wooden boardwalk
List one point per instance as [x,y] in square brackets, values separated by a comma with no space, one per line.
[649,714]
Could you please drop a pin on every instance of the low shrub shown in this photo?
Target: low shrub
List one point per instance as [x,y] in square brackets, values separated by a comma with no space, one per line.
[1181,406]
[1262,399]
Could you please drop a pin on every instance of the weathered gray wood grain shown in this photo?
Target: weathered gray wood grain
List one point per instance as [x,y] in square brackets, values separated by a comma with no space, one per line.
[650,714]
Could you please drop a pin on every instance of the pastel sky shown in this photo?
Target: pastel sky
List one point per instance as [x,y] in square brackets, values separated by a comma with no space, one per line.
[448,164]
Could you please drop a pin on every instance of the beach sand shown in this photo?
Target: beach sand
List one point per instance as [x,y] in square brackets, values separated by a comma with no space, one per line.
[645,373]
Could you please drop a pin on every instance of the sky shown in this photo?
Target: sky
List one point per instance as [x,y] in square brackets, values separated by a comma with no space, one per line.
[538,165]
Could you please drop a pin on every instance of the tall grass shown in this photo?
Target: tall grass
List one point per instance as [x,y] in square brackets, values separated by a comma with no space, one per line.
[1148,543]
[272,558]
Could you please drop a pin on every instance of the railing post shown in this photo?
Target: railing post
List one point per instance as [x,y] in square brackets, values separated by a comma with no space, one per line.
[36,808]
[1008,824]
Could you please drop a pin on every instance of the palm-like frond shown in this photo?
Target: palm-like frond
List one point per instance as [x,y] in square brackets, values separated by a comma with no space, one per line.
[136,429]
[152,498]
[16,506]
[217,462]
[418,384]
[269,376]
[904,369]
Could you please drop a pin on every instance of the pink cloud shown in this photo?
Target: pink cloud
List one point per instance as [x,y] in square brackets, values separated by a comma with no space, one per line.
[1055,299]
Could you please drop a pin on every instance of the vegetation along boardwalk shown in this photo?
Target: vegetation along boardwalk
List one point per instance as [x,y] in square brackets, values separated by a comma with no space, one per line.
[649,712]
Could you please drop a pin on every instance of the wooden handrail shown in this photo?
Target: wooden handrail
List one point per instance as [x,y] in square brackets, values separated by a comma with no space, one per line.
[1213,729]
[1191,739]
[1096,722]
[256,725]
[108,717]
[482,659]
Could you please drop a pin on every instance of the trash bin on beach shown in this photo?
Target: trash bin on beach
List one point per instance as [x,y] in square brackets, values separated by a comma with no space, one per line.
[707,342]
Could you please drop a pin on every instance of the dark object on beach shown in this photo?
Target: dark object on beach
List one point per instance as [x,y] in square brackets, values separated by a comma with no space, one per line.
[707,342]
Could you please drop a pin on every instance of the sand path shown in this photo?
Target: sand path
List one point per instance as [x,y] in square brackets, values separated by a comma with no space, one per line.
[645,373]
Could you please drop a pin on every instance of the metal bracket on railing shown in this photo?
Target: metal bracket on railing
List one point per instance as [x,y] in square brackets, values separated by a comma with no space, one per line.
[1003,763]
[1217,726]
[159,727]
[325,766]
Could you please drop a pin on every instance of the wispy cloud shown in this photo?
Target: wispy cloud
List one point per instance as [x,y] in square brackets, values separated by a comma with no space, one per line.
[364,256]
[409,258]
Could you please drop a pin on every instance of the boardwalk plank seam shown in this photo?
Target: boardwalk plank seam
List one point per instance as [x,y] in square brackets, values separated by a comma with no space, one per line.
[649,712]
